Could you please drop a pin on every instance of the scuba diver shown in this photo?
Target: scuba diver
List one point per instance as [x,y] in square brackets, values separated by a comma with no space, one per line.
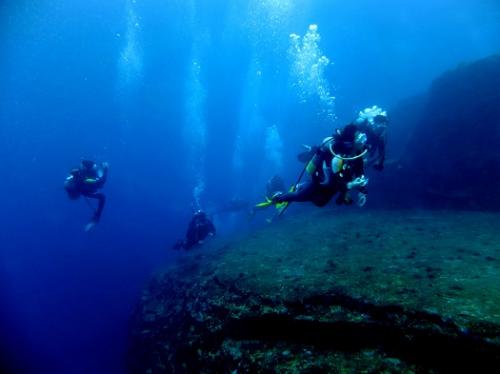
[373,122]
[199,228]
[86,181]
[335,167]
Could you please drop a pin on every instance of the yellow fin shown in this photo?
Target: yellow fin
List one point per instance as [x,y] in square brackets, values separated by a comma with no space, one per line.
[264,204]
[281,206]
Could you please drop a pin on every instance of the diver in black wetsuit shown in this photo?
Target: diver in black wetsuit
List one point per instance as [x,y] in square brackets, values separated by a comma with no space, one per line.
[86,181]
[199,228]
[336,166]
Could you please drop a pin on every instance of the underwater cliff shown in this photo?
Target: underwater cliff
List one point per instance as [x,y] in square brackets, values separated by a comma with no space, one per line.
[332,290]
[445,142]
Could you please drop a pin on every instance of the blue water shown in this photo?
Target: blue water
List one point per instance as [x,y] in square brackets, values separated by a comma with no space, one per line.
[192,103]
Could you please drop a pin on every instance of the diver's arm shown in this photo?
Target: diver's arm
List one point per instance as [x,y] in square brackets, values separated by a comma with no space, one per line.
[359,180]
[360,185]
[104,176]
[327,175]
[76,176]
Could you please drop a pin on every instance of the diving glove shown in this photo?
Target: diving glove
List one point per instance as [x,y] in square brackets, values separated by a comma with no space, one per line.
[358,182]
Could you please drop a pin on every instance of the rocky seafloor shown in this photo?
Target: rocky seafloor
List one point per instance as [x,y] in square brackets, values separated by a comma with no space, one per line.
[330,291]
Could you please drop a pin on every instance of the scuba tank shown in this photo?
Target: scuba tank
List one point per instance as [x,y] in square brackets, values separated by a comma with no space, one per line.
[312,164]
[337,164]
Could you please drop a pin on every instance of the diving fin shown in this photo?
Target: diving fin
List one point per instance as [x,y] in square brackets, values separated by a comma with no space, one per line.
[271,201]
[282,207]
[265,204]
[90,226]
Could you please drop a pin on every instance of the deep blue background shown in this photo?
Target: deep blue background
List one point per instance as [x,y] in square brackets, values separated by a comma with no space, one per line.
[65,295]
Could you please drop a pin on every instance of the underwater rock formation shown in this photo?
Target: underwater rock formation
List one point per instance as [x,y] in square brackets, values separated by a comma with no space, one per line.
[331,291]
[452,156]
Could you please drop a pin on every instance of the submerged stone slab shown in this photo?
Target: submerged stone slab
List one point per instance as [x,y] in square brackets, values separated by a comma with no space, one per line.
[330,291]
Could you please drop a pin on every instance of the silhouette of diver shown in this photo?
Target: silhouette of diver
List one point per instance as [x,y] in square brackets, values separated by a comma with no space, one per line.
[86,180]
[198,229]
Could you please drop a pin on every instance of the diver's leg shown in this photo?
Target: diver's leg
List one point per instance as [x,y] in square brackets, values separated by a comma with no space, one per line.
[100,206]
[323,197]
[101,200]
[304,192]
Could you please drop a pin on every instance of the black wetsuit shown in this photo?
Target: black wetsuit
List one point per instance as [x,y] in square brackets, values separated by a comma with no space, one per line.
[86,181]
[314,190]
[199,228]
[324,184]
